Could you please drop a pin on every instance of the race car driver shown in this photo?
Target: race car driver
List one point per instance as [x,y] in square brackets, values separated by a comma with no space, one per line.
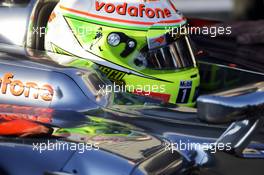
[136,44]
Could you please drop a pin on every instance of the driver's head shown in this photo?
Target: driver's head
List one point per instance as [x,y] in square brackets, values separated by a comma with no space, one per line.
[128,36]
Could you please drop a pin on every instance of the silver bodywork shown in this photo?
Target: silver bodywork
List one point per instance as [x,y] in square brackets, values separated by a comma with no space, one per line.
[14,21]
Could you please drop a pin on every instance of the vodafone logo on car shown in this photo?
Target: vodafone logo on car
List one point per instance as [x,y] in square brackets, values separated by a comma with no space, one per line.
[139,10]
[27,89]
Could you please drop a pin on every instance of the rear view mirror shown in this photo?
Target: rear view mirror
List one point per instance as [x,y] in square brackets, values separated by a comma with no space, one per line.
[239,134]
[238,104]
[243,106]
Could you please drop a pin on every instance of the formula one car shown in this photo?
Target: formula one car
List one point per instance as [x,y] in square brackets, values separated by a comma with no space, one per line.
[48,116]
[51,111]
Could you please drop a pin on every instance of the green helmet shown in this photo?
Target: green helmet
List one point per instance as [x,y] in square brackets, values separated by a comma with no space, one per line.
[135,43]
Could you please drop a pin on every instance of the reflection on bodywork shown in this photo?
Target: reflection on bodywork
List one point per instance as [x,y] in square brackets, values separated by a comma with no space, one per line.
[216,78]
[22,128]
[99,130]
[124,140]
[111,136]
[36,114]
[24,121]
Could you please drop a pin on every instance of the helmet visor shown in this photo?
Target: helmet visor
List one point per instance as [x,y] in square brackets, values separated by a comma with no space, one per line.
[176,55]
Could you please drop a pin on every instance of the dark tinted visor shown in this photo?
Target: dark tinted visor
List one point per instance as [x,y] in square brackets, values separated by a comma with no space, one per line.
[176,55]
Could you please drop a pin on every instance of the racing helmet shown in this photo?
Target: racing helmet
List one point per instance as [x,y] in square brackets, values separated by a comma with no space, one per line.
[137,44]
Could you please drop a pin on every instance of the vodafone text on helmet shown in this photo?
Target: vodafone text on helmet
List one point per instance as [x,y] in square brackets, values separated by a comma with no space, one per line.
[140,11]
